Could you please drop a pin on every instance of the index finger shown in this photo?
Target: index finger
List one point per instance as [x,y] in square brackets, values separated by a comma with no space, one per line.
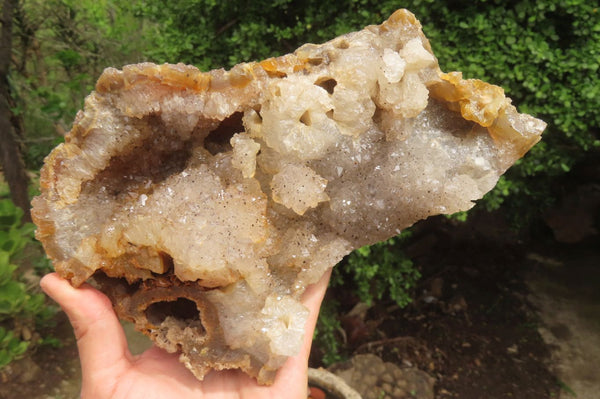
[100,338]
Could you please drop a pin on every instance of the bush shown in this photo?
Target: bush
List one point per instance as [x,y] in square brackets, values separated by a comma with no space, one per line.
[22,310]
[59,49]
[373,273]
[328,332]
[546,55]
[382,271]
[10,347]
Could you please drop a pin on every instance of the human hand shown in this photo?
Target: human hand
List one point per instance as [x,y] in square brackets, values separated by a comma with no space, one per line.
[110,371]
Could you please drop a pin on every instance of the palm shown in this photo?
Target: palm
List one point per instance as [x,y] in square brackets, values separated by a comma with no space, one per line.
[157,374]
[110,371]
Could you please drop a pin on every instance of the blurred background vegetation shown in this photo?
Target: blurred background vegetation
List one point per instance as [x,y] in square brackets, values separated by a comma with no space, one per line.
[545,54]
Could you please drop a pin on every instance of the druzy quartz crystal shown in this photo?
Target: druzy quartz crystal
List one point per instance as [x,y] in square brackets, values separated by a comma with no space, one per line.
[204,203]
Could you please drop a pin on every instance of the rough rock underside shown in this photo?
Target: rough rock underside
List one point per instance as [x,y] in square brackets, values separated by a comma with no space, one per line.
[203,204]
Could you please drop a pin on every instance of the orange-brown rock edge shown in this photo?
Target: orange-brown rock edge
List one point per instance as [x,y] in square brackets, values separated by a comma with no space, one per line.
[203,204]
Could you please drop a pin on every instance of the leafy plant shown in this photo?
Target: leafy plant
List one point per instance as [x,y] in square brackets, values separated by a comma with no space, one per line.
[13,236]
[60,47]
[11,347]
[546,55]
[383,270]
[373,273]
[20,306]
[328,333]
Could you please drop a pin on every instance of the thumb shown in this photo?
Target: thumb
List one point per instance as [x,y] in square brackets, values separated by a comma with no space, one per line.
[100,338]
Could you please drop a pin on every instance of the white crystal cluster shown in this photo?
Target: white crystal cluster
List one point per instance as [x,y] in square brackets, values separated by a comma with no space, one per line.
[234,190]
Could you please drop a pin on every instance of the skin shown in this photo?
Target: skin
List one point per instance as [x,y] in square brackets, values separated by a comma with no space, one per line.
[111,371]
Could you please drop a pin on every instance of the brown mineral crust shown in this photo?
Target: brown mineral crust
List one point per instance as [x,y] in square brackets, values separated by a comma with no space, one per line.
[165,306]
[486,105]
[204,203]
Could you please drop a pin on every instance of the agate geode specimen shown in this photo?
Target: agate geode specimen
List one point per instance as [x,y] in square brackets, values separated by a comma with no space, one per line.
[203,204]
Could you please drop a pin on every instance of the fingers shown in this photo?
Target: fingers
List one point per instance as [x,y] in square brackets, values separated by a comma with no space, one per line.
[312,299]
[313,296]
[100,338]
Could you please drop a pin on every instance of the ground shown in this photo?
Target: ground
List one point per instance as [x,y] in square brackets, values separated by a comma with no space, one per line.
[479,328]
[566,290]
[493,317]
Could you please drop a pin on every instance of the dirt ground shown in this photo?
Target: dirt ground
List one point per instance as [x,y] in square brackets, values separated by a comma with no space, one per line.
[566,290]
[493,318]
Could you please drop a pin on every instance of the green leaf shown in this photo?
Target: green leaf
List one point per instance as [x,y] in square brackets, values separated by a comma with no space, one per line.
[51,341]
[6,269]
[10,215]
[17,348]
[5,336]
[5,357]
[34,304]
[12,296]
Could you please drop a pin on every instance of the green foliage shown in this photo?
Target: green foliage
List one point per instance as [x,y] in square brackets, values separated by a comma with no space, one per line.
[60,48]
[11,347]
[382,270]
[19,306]
[328,332]
[13,236]
[459,216]
[373,273]
[213,34]
[545,54]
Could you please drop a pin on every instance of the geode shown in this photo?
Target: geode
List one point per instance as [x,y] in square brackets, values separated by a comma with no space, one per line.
[203,204]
